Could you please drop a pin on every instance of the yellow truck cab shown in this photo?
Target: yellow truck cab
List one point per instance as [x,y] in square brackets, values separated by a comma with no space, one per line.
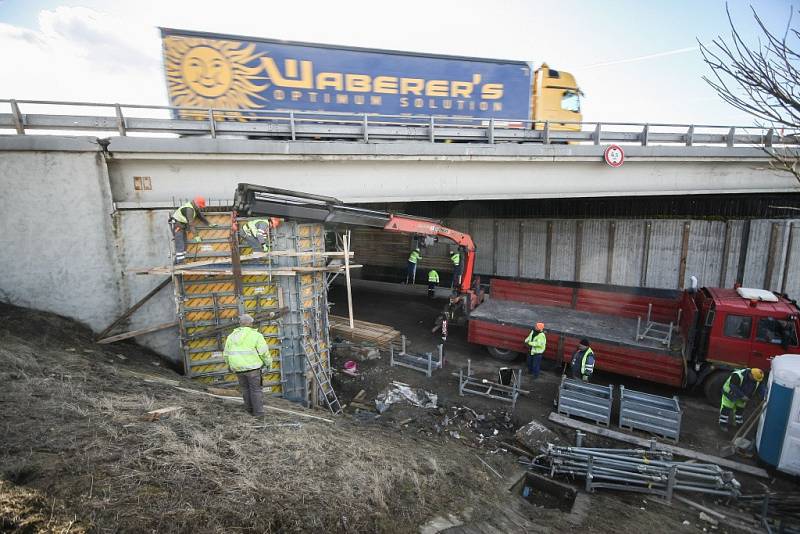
[556,97]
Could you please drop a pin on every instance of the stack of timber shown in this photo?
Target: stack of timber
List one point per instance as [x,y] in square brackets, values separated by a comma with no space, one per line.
[376,334]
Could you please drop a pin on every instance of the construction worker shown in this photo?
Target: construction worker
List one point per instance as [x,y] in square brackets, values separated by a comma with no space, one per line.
[582,364]
[455,257]
[433,281]
[246,352]
[413,258]
[256,234]
[537,342]
[183,219]
[741,386]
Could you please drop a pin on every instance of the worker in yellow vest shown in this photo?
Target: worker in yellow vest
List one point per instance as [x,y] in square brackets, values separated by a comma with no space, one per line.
[411,268]
[741,386]
[455,258]
[246,352]
[582,363]
[255,233]
[433,281]
[183,220]
[537,341]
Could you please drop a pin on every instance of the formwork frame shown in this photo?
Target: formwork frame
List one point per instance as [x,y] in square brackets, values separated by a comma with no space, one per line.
[291,309]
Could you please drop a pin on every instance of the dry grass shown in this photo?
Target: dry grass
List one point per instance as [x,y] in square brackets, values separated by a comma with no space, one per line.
[73,429]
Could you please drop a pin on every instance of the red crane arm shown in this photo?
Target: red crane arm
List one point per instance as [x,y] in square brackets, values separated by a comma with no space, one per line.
[410,225]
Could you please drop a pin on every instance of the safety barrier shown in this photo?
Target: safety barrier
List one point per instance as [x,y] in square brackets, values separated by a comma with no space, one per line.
[124,119]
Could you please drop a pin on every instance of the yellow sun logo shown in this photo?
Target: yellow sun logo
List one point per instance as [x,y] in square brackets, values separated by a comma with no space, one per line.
[211,73]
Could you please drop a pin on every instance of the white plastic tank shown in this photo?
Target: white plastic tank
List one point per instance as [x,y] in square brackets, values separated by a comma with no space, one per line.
[778,437]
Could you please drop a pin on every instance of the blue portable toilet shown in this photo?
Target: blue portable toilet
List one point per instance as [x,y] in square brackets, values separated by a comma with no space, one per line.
[778,437]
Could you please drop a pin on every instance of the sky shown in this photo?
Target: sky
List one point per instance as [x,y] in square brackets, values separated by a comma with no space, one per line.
[636,61]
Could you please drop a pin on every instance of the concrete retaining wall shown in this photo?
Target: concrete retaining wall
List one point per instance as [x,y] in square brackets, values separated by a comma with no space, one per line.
[658,253]
[58,241]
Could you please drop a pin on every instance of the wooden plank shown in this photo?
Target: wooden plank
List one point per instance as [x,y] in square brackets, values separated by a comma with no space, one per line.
[378,334]
[133,308]
[679,451]
[266,406]
[346,242]
[155,415]
[283,271]
[253,256]
[134,333]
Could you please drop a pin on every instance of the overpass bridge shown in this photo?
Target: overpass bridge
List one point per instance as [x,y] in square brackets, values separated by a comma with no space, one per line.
[104,197]
[401,158]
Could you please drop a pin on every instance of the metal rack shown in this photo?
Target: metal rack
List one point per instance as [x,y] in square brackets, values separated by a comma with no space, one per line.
[650,413]
[637,470]
[660,332]
[486,388]
[590,401]
[422,362]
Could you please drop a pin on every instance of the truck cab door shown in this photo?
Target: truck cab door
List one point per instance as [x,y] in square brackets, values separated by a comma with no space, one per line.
[772,337]
[731,339]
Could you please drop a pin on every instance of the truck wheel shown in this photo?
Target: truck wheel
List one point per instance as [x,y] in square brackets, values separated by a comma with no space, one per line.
[712,387]
[504,355]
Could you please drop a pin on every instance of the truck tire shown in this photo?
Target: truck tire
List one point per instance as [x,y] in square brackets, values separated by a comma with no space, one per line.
[712,386]
[504,355]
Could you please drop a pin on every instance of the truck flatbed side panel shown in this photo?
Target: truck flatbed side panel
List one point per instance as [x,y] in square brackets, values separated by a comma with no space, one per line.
[531,292]
[619,302]
[577,323]
[639,363]
[626,305]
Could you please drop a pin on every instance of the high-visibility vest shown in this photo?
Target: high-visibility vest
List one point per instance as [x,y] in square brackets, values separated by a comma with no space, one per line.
[744,383]
[251,227]
[433,276]
[180,217]
[586,364]
[537,342]
[456,258]
[246,349]
[415,256]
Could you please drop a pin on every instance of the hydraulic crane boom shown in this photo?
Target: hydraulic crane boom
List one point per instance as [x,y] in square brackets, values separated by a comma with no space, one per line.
[254,200]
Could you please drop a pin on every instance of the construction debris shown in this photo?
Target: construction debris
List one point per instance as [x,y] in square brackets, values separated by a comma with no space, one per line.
[399,392]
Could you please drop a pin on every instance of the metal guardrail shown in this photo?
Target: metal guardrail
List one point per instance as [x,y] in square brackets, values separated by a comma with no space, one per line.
[125,119]
[650,413]
[590,401]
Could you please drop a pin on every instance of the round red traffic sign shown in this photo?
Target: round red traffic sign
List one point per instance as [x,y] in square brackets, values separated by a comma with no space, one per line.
[614,155]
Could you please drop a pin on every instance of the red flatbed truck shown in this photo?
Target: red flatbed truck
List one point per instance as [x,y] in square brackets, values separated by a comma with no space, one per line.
[716,329]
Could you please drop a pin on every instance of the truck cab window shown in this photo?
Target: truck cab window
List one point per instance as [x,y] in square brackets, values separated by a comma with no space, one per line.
[738,326]
[776,331]
[571,101]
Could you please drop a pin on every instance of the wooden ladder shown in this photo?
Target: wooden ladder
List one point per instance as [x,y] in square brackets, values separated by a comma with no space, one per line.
[322,379]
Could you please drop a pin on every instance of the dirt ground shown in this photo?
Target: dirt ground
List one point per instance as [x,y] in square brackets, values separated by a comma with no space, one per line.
[77,453]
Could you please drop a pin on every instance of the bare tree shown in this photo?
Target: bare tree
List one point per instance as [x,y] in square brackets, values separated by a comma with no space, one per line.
[763,80]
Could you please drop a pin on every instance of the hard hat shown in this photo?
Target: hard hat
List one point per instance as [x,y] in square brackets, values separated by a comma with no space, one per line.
[200,202]
[585,342]
[757,374]
[416,248]
[539,326]
[246,319]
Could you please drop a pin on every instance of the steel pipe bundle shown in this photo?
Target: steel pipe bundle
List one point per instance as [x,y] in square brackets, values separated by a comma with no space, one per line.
[638,470]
